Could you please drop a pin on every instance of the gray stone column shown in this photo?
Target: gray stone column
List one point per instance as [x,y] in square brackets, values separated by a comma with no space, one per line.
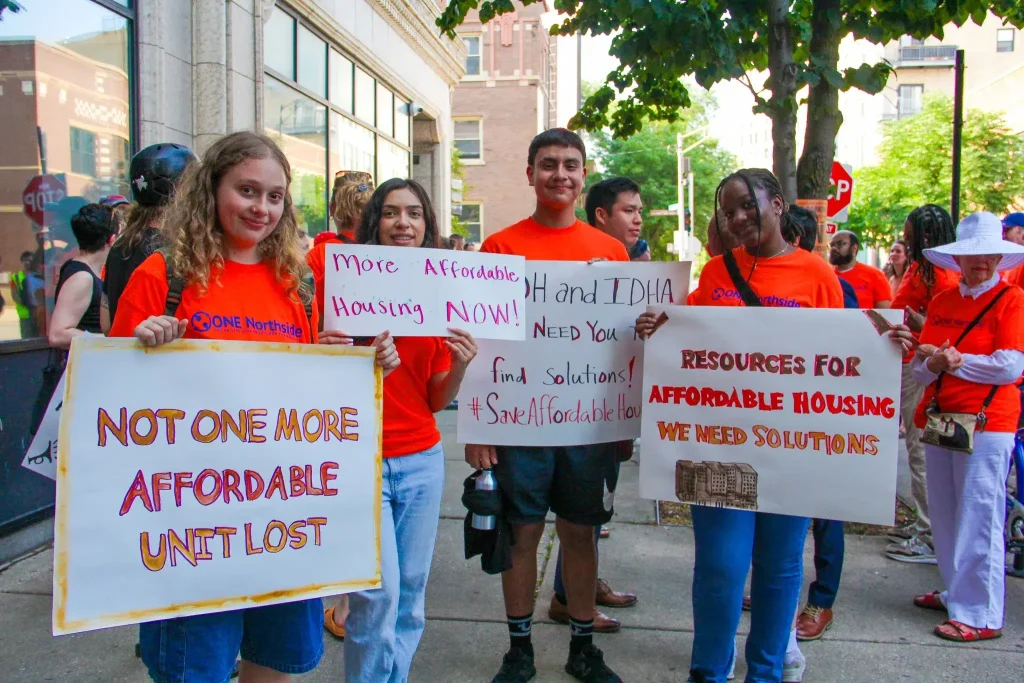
[209,69]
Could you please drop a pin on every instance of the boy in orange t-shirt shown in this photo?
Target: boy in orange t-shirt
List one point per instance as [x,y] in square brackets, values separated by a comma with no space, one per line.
[870,284]
[571,480]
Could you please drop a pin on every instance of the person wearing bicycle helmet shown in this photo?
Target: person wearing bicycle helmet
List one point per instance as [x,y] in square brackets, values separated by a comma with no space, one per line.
[153,174]
[970,355]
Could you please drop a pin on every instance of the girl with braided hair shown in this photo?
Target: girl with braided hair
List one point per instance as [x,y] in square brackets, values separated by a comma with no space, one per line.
[927,227]
[764,270]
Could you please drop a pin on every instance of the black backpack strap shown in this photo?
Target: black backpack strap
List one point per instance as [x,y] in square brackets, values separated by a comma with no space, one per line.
[175,286]
[746,293]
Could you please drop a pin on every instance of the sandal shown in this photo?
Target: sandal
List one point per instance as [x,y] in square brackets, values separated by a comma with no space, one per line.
[930,601]
[332,628]
[962,633]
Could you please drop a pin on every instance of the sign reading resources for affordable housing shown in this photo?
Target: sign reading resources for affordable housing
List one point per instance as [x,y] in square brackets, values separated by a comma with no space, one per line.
[576,379]
[423,292]
[209,476]
[792,411]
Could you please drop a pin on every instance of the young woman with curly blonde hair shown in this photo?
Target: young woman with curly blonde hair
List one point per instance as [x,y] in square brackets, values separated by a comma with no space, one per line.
[233,241]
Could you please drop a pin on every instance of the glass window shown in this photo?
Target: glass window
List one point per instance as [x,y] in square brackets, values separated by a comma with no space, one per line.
[472,55]
[299,125]
[365,97]
[279,43]
[312,62]
[910,99]
[471,216]
[402,121]
[64,66]
[341,81]
[1004,40]
[385,110]
[352,147]
[468,134]
[392,161]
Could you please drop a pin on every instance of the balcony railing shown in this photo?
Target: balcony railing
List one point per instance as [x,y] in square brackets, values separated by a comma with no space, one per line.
[930,54]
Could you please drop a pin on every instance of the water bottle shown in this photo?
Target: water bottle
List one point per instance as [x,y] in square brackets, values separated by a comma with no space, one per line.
[485,482]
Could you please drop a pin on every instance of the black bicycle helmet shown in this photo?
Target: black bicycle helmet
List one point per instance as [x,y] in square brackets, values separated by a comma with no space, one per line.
[155,170]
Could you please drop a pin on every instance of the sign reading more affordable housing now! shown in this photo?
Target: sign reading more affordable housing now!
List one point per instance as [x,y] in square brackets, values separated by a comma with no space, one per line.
[206,476]
[576,378]
[423,292]
[792,411]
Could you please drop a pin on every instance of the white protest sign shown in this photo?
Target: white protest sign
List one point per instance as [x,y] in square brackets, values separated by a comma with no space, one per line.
[423,292]
[41,456]
[209,476]
[792,411]
[576,379]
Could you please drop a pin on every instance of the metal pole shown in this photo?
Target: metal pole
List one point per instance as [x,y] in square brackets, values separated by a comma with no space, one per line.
[41,137]
[689,204]
[681,242]
[958,127]
[579,71]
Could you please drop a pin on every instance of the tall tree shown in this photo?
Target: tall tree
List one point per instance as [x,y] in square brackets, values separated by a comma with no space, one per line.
[915,167]
[649,158]
[657,42]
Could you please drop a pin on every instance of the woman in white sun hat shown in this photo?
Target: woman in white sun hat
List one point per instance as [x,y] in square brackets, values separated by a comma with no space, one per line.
[970,354]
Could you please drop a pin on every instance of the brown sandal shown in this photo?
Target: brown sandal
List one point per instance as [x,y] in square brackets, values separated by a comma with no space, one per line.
[959,632]
[332,628]
[930,601]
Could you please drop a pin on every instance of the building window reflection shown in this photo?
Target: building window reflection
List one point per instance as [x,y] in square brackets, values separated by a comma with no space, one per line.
[66,125]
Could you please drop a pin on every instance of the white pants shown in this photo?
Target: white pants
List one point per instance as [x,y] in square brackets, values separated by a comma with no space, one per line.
[911,393]
[967,494]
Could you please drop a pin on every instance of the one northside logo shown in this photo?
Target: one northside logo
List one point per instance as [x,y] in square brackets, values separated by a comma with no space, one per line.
[768,300]
[202,321]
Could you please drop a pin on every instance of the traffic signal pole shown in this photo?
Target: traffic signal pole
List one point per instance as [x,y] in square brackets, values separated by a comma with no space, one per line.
[958,127]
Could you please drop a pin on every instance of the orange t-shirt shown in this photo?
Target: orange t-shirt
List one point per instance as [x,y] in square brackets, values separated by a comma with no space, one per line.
[242,303]
[409,424]
[691,298]
[316,259]
[870,284]
[578,242]
[1015,276]
[1002,328]
[913,293]
[796,280]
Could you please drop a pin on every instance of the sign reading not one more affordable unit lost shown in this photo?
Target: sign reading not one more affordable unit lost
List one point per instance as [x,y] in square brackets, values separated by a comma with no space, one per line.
[188,483]
[792,411]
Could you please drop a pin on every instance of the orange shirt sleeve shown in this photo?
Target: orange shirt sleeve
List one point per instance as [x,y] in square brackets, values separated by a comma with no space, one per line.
[880,286]
[442,359]
[145,295]
[691,298]
[316,260]
[905,292]
[830,292]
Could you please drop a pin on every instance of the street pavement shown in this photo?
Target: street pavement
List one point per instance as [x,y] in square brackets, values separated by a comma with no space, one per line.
[878,635]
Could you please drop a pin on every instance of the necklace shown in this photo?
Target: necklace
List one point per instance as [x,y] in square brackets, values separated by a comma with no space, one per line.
[779,253]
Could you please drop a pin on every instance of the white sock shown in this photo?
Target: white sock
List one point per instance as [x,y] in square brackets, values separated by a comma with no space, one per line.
[793,649]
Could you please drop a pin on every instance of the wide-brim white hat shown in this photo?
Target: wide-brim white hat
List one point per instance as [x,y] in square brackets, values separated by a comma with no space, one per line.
[979,234]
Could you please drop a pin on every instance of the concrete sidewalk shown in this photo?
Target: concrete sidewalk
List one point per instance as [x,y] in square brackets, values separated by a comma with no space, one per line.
[878,635]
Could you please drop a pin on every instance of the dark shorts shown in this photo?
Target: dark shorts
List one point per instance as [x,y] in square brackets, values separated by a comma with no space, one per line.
[202,649]
[577,483]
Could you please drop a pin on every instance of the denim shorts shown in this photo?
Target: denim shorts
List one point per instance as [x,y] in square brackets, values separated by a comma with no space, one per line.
[577,483]
[202,649]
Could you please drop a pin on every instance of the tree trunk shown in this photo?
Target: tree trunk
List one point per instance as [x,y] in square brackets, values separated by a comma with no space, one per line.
[823,116]
[782,82]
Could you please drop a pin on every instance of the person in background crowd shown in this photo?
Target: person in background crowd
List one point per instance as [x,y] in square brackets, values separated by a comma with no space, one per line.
[352,191]
[153,172]
[119,207]
[384,626]
[926,227]
[613,206]
[232,236]
[571,481]
[869,283]
[896,266]
[1013,231]
[79,288]
[457,242]
[24,303]
[971,354]
[728,540]
[470,246]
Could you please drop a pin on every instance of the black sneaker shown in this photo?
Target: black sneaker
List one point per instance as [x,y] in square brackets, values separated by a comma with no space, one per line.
[516,667]
[588,666]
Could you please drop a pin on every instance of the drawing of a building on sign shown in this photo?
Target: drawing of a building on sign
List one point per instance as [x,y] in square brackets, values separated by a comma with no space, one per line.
[721,484]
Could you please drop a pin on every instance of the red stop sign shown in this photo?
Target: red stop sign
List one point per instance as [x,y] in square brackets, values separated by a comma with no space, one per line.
[842,183]
[40,191]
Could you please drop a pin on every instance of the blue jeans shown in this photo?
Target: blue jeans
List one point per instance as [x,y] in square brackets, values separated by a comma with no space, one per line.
[727,541]
[829,549]
[384,626]
[559,583]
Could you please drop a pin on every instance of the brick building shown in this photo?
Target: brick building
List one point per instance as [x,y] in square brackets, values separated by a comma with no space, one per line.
[506,97]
